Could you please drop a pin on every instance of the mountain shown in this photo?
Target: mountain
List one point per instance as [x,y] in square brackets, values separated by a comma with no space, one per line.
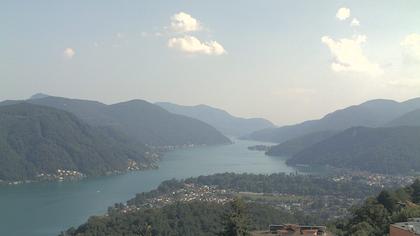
[409,119]
[153,125]
[392,150]
[374,113]
[295,145]
[220,119]
[143,121]
[39,95]
[41,140]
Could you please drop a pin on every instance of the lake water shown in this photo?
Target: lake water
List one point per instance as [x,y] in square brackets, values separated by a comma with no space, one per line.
[43,209]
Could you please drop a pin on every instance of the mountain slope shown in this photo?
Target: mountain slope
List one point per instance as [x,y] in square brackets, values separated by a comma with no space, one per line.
[153,125]
[220,119]
[36,139]
[409,119]
[294,146]
[391,150]
[373,113]
[141,120]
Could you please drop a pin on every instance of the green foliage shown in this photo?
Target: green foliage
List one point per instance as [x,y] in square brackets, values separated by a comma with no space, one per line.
[237,221]
[392,150]
[181,219]
[376,214]
[36,139]
[285,183]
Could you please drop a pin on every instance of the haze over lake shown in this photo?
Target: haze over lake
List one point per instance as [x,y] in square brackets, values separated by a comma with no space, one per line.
[47,208]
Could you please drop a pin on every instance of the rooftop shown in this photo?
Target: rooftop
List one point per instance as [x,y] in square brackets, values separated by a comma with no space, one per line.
[412,225]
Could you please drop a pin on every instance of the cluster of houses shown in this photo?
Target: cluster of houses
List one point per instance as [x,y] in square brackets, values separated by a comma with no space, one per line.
[293,230]
[373,179]
[409,228]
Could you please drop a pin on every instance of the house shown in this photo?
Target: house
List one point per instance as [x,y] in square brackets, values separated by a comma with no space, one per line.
[409,228]
[291,230]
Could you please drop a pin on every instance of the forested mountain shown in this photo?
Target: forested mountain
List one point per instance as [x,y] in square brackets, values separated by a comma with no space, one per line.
[409,119]
[377,213]
[40,140]
[153,125]
[373,113]
[145,122]
[295,145]
[220,119]
[392,150]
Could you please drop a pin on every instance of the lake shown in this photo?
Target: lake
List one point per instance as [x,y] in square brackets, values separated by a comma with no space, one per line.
[42,209]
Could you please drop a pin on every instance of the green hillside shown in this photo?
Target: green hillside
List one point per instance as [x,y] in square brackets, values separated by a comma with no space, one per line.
[140,120]
[393,150]
[40,140]
[293,146]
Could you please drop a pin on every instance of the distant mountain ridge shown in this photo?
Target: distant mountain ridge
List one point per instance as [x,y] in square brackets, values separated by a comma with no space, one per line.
[143,121]
[374,113]
[37,140]
[220,119]
[409,119]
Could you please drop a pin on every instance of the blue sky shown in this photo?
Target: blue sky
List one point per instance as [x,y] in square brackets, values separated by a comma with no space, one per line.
[287,61]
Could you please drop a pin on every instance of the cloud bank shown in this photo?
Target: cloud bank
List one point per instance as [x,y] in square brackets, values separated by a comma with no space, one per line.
[191,44]
[183,22]
[348,55]
[343,13]
[411,47]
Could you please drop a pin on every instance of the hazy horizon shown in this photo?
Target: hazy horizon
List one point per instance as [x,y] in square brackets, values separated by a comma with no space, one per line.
[286,61]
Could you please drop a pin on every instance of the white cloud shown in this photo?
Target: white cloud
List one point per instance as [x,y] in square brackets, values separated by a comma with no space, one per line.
[348,55]
[343,13]
[411,47]
[69,53]
[355,22]
[183,22]
[191,44]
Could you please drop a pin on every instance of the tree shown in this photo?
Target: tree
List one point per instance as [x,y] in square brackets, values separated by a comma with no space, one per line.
[386,199]
[237,222]
[416,191]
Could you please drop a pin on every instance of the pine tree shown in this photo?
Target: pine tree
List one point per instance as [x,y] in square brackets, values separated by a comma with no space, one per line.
[237,222]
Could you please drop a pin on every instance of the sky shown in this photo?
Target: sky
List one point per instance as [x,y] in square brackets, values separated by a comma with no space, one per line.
[287,61]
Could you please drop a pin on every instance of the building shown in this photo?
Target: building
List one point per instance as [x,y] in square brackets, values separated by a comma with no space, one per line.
[292,230]
[409,228]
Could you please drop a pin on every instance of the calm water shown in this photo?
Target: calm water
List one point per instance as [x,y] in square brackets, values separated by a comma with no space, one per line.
[47,208]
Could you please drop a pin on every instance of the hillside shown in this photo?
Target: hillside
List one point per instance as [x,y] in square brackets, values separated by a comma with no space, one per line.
[141,120]
[153,125]
[375,215]
[373,113]
[220,119]
[40,140]
[198,206]
[295,145]
[409,119]
[393,150]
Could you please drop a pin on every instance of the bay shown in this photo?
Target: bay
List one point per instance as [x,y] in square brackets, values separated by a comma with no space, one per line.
[43,209]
